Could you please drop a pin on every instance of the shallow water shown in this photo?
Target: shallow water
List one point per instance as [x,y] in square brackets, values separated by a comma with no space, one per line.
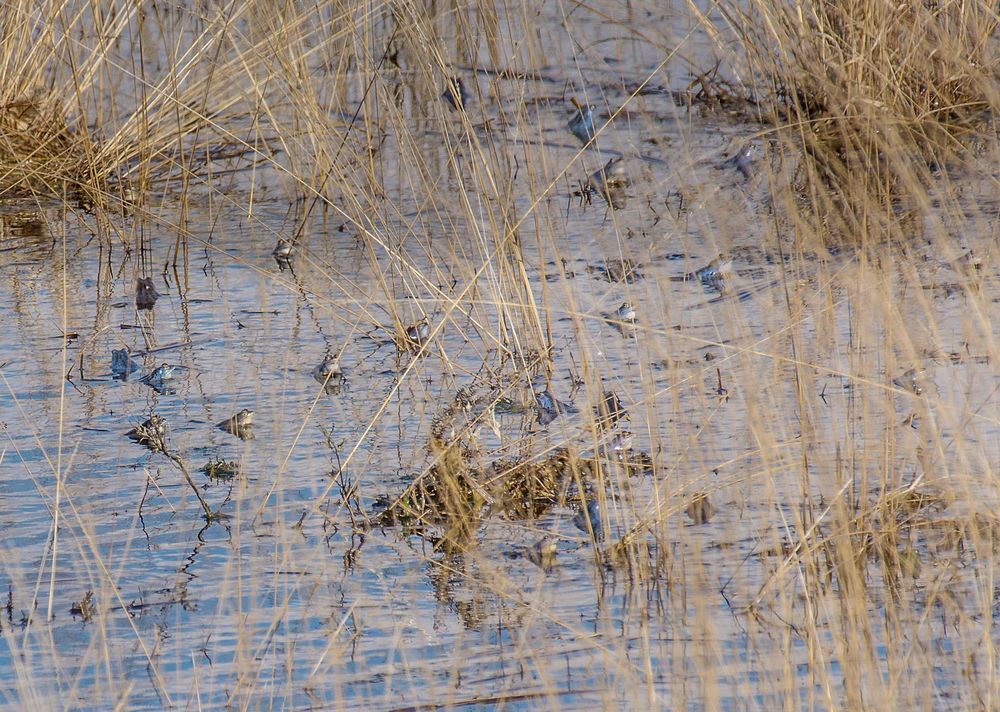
[289,603]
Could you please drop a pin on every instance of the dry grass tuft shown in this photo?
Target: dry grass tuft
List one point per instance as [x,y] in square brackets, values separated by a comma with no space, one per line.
[39,152]
[874,96]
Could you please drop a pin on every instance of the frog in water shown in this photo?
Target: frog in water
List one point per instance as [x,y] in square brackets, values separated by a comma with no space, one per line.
[329,374]
[582,123]
[152,433]
[160,378]
[626,313]
[240,425]
[548,407]
[419,332]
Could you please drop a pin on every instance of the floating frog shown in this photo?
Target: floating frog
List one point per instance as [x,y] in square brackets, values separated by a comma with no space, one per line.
[588,520]
[152,433]
[329,374]
[240,425]
[582,123]
[160,378]
[419,332]
[456,94]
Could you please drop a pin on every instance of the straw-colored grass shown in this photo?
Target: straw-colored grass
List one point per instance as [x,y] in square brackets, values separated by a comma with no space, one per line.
[807,519]
[871,97]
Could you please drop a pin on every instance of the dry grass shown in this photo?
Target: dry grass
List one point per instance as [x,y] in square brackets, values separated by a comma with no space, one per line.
[872,97]
[800,524]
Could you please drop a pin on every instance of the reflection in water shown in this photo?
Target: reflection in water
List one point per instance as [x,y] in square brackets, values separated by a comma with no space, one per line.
[450,576]
[145,293]
[122,364]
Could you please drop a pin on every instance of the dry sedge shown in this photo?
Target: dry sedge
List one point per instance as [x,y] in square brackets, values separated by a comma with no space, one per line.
[726,438]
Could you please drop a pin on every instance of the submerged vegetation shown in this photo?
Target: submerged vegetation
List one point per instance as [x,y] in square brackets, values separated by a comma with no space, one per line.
[767,479]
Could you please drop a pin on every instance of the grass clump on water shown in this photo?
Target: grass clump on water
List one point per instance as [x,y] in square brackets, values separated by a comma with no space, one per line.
[874,96]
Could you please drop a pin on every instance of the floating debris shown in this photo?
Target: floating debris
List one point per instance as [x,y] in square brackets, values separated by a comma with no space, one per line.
[610,183]
[582,123]
[909,501]
[283,253]
[609,411]
[564,272]
[160,378]
[912,380]
[700,509]
[84,607]
[528,488]
[721,390]
[220,469]
[456,94]
[636,462]
[145,293]
[543,553]
[329,374]
[152,433]
[449,494]
[743,160]
[455,488]
[616,270]
[588,520]
[122,364]
[240,425]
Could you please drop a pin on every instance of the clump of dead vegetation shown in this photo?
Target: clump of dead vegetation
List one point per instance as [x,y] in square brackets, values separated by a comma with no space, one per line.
[465,483]
[39,152]
[90,115]
[872,97]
